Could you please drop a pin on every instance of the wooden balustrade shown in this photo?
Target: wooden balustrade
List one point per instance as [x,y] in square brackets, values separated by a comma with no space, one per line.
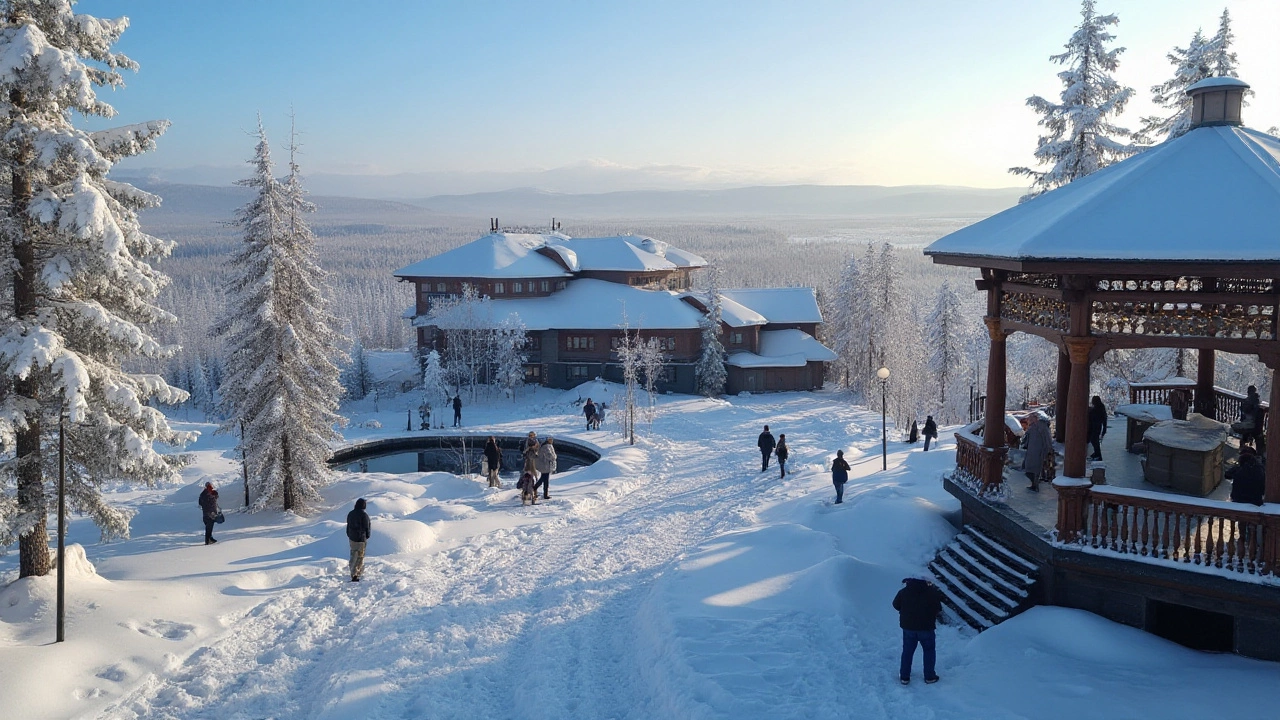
[1209,533]
[1226,402]
[979,468]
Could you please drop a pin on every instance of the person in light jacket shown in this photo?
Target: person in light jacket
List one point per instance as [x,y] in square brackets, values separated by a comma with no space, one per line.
[1039,445]
[359,530]
[839,475]
[545,463]
[530,452]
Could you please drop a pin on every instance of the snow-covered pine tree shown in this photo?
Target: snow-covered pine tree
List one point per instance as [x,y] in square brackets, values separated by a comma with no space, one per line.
[1081,136]
[1191,65]
[356,378]
[651,359]
[281,379]
[201,394]
[510,339]
[849,326]
[79,290]
[946,343]
[434,388]
[1221,56]
[710,370]
[886,309]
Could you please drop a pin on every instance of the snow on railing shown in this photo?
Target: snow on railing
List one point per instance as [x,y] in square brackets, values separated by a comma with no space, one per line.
[980,470]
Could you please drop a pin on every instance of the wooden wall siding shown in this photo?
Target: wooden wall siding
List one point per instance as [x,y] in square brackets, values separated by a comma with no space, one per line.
[660,279]
[808,377]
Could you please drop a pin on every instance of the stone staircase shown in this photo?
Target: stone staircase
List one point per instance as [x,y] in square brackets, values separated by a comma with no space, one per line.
[983,583]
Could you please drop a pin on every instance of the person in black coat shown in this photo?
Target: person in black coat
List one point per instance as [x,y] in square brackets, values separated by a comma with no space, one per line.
[766,445]
[1248,478]
[359,529]
[590,411]
[1250,426]
[914,437]
[209,511]
[782,452]
[493,459]
[918,605]
[930,431]
[839,475]
[1097,426]
[457,410]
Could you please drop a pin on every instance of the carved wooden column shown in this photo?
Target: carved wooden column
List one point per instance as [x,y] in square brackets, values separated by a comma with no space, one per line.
[1077,406]
[1073,502]
[1060,399]
[993,429]
[1205,400]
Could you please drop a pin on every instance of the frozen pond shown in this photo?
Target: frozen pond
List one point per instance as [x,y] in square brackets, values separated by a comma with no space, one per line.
[459,454]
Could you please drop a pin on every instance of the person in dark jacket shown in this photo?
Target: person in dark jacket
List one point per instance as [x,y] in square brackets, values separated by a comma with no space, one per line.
[1250,414]
[1039,445]
[359,530]
[209,511]
[766,445]
[918,605]
[839,475]
[782,452]
[930,431]
[1248,478]
[457,410]
[590,411]
[1097,426]
[493,461]
[914,437]
[1178,404]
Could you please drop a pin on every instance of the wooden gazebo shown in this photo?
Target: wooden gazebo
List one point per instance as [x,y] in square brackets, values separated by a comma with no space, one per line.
[1176,247]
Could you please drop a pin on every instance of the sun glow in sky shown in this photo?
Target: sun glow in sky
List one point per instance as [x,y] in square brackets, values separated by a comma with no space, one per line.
[885,92]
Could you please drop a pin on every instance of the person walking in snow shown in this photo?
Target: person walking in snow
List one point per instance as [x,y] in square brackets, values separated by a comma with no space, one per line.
[1039,445]
[590,411]
[600,411]
[918,605]
[766,444]
[493,461]
[209,511]
[1097,426]
[530,452]
[359,530]
[930,431]
[915,433]
[782,452]
[545,463]
[457,410]
[839,475]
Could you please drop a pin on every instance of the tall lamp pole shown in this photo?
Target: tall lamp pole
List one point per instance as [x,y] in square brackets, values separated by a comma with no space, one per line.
[62,529]
[883,376]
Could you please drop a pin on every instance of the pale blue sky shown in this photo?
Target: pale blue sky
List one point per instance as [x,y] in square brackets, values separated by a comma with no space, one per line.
[915,91]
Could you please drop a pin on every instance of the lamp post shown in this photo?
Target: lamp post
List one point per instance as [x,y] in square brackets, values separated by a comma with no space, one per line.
[883,376]
[62,529]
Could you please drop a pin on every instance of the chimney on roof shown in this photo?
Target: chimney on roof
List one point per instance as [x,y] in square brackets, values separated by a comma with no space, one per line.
[1216,101]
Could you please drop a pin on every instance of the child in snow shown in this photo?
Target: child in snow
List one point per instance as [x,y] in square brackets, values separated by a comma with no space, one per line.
[528,493]
[782,452]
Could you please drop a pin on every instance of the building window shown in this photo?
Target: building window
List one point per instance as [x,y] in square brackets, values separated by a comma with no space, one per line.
[517,287]
[615,343]
[579,372]
[499,288]
[670,343]
[560,284]
[533,373]
[667,375]
[580,342]
[735,338]
[442,287]
[532,342]
[546,286]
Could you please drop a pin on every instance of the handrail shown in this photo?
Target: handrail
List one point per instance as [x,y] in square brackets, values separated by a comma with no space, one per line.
[1180,531]
[1226,403]
[979,468]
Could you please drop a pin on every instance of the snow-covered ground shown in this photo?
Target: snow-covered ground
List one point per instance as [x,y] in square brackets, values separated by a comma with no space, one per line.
[670,579]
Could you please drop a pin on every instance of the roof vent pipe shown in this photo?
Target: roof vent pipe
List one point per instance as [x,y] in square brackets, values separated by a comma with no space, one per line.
[1216,101]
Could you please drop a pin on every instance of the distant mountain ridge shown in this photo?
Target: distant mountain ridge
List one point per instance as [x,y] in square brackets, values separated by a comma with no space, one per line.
[529,205]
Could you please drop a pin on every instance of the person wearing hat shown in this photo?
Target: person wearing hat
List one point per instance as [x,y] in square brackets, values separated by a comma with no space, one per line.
[359,529]
[209,511]
[530,452]
[918,604]
[545,463]
[1039,445]
[1248,478]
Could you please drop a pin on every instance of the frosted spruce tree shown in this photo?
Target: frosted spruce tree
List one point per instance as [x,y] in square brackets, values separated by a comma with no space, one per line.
[1081,137]
[849,327]
[710,370]
[1221,56]
[434,388]
[356,378]
[1202,58]
[946,343]
[77,282]
[281,379]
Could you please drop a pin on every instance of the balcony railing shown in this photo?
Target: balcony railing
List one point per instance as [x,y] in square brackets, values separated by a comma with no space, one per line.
[1170,530]
[1226,403]
[979,469]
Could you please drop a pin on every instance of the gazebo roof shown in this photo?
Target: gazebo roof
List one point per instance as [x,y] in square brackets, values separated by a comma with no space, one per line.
[1209,196]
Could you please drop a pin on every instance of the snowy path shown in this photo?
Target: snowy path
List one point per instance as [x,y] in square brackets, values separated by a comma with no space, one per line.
[541,618]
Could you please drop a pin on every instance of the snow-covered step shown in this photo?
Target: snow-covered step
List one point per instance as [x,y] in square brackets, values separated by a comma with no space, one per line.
[996,613]
[1010,555]
[977,583]
[1013,574]
[961,609]
[962,553]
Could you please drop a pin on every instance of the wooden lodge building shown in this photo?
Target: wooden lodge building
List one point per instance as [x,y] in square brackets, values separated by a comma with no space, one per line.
[1175,247]
[575,296]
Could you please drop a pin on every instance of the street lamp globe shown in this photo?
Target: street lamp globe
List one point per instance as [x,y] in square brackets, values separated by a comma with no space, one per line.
[883,374]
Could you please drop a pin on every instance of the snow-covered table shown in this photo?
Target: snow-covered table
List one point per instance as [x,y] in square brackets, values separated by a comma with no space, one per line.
[1185,455]
[1140,417]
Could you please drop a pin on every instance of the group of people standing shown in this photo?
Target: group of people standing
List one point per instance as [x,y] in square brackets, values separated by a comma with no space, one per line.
[777,448]
[930,432]
[539,462]
[594,413]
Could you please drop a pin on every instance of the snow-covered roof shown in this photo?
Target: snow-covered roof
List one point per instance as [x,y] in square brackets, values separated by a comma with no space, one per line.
[684,258]
[587,304]
[732,313]
[497,255]
[1213,82]
[1210,195]
[624,252]
[779,305]
[783,348]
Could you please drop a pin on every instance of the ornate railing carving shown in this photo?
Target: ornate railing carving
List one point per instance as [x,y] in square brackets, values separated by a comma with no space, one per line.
[980,470]
[1261,286]
[1207,533]
[1250,322]
[1178,284]
[1044,280]
[1037,310]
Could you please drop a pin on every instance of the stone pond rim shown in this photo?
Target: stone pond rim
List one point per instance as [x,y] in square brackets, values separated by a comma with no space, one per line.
[355,452]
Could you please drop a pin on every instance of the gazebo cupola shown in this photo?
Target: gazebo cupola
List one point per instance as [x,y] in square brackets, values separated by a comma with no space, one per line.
[1177,247]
